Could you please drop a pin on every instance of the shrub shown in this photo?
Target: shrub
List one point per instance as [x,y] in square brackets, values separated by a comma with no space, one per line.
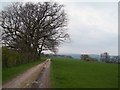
[11,58]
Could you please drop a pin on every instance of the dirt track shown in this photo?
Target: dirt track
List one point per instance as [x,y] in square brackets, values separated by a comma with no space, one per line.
[43,80]
[36,77]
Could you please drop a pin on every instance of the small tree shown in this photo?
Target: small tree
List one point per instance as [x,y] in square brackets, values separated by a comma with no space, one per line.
[84,57]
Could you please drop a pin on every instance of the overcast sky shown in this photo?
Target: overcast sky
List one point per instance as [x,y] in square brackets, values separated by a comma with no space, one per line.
[93,26]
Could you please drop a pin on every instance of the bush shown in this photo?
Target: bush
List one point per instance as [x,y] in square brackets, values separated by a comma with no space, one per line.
[11,58]
[5,56]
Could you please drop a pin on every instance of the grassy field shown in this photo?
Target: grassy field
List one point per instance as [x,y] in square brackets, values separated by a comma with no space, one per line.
[9,73]
[68,73]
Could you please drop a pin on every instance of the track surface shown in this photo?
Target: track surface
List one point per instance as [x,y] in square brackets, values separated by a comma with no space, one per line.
[36,77]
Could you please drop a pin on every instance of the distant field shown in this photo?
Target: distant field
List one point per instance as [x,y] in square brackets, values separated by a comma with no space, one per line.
[68,73]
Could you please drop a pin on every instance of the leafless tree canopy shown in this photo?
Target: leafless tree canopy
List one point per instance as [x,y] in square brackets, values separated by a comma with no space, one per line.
[34,27]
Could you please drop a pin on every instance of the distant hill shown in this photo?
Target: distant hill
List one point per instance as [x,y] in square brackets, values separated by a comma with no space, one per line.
[77,56]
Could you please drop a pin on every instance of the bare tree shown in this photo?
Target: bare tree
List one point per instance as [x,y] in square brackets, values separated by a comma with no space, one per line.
[33,27]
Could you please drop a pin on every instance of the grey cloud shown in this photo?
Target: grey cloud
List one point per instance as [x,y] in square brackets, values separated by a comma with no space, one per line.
[96,36]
